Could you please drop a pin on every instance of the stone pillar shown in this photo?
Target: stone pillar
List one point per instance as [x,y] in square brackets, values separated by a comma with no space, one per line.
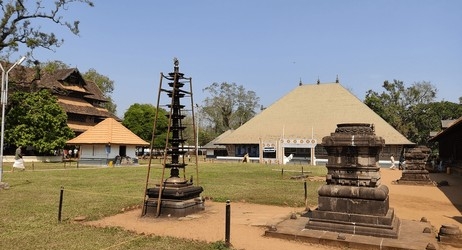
[450,235]
[414,172]
[353,199]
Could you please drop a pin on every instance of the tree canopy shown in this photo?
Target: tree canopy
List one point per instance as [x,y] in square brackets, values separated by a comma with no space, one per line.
[105,84]
[36,119]
[139,118]
[411,110]
[427,118]
[228,106]
[17,25]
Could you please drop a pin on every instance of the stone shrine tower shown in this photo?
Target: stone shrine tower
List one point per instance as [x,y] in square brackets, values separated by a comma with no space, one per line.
[353,200]
[414,172]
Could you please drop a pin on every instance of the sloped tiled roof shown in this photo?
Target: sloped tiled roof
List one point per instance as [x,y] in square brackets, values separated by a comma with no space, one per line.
[79,106]
[95,92]
[456,124]
[79,126]
[316,108]
[108,131]
[54,80]
[24,76]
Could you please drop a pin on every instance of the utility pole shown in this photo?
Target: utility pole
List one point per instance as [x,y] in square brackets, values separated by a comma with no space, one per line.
[4,101]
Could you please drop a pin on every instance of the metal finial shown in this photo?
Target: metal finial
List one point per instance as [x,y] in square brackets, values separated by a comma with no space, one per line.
[300,83]
[336,80]
[318,82]
[176,69]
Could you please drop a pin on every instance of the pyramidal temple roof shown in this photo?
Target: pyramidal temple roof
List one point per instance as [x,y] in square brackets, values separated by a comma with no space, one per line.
[108,131]
[311,111]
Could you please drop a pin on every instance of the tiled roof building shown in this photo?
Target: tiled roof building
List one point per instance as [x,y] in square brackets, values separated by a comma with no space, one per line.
[108,140]
[82,100]
[310,111]
[108,131]
[450,143]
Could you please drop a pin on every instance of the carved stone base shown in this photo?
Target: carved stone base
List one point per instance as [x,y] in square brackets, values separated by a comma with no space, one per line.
[174,208]
[354,200]
[177,199]
[379,226]
[415,177]
[354,210]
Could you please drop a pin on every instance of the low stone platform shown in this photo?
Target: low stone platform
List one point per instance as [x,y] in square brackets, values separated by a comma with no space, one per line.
[412,235]
[4,185]
[414,183]
[175,208]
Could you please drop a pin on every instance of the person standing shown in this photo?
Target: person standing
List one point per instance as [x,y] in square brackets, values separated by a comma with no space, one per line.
[76,152]
[246,158]
[392,159]
[18,161]
[401,162]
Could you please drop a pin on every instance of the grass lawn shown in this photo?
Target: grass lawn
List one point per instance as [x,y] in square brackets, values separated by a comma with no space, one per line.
[29,209]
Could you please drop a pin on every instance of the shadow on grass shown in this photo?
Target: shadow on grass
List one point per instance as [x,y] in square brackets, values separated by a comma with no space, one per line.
[26,182]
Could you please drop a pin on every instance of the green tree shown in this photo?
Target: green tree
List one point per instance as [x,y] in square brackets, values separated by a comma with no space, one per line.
[105,84]
[205,137]
[36,119]
[51,66]
[139,118]
[428,117]
[17,24]
[229,106]
[399,106]
[188,132]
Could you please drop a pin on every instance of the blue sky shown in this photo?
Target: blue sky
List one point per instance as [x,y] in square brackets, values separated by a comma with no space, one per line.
[266,46]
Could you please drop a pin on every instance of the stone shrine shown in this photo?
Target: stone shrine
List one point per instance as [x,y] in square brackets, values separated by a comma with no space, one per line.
[415,172]
[353,200]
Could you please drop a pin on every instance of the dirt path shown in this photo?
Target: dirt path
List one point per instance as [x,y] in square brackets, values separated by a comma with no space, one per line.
[249,221]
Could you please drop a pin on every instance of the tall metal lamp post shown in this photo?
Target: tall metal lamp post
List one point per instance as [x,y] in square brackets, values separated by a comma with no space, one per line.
[4,101]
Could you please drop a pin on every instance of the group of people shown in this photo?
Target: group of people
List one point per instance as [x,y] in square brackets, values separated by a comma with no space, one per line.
[400,164]
[71,153]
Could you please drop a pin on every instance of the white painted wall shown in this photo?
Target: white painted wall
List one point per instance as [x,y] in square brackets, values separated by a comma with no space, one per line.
[98,151]
[30,158]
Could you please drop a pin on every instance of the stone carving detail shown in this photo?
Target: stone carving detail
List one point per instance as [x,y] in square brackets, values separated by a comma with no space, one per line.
[355,128]
[353,155]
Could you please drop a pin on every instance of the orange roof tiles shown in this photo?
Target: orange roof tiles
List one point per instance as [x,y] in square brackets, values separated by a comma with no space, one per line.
[108,131]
